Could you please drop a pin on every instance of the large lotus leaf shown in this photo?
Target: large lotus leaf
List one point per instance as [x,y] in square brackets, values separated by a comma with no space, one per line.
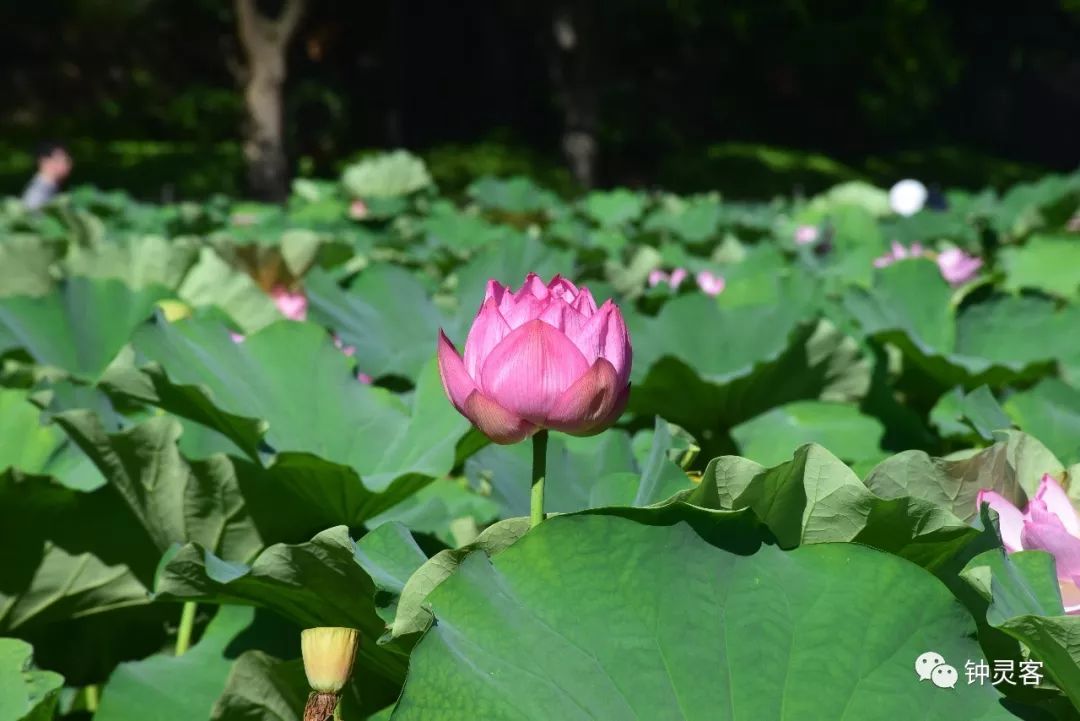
[911,306]
[81,326]
[140,261]
[213,282]
[317,583]
[1047,262]
[460,233]
[26,694]
[388,175]
[769,438]
[387,316]
[972,416]
[761,625]
[1045,203]
[582,473]
[517,195]
[694,220]
[176,501]
[26,444]
[58,563]
[1050,411]
[1012,467]
[306,397]
[815,498]
[613,207]
[405,577]
[26,265]
[708,368]
[176,688]
[1025,603]
[448,509]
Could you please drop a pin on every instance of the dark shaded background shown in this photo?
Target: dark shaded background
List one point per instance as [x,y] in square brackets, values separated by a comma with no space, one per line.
[746,96]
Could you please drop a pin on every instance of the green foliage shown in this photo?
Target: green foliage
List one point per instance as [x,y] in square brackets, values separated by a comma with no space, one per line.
[314,469]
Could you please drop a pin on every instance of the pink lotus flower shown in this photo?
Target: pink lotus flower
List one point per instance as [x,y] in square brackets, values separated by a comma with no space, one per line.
[806,234]
[292,305]
[958,267]
[710,284]
[358,210]
[543,357]
[1049,523]
[898,252]
[656,277]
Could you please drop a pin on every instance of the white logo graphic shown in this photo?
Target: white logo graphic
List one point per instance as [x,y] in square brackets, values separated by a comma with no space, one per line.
[944,676]
[926,663]
[931,666]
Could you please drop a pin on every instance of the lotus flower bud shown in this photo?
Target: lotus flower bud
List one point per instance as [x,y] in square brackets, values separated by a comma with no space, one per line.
[543,357]
[710,284]
[806,234]
[678,276]
[328,653]
[291,305]
[958,267]
[174,310]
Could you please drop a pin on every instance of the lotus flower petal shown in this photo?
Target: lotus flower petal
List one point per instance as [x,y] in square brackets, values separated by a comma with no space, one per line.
[1057,502]
[1044,531]
[605,336]
[656,277]
[1010,519]
[678,276]
[530,369]
[455,378]
[585,405]
[494,421]
[1070,595]
[488,329]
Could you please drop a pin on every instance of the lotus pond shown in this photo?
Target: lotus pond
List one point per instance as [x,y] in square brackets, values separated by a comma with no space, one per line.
[835,477]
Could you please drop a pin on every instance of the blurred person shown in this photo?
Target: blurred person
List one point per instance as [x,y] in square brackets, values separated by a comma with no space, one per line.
[53,166]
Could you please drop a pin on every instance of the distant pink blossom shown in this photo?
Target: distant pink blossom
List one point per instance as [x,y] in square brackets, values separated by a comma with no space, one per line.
[806,234]
[1049,523]
[678,276]
[656,277]
[291,305]
[364,378]
[710,284]
[236,337]
[358,210]
[958,267]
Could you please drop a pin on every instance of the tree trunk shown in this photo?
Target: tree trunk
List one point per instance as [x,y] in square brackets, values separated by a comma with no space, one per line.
[572,72]
[265,41]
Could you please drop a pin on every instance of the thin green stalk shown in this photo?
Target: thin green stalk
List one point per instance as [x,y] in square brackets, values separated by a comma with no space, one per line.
[539,471]
[90,695]
[187,625]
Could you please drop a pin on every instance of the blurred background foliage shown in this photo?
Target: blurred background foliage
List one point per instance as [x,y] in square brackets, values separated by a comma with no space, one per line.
[746,97]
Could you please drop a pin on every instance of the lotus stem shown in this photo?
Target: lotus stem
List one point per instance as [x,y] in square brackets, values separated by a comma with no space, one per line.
[539,471]
[91,695]
[187,625]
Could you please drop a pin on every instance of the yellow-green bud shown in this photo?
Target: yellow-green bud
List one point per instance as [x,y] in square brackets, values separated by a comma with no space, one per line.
[329,652]
[174,310]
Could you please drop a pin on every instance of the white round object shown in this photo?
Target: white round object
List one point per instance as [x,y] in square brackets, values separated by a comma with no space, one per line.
[907,197]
